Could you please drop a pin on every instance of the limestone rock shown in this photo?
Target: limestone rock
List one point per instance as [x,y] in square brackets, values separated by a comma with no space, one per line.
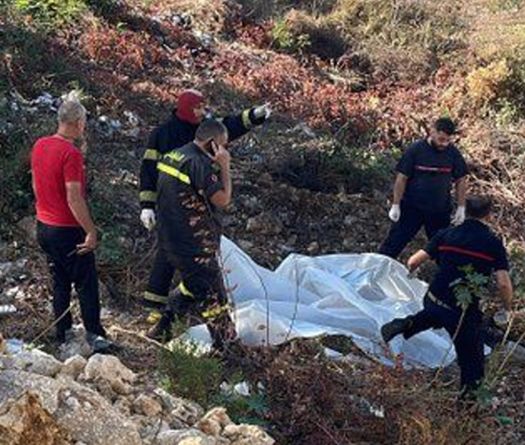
[73,366]
[123,406]
[37,362]
[108,368]
[185,437]
[147,406]
[214,421]
[247,435]
[181,410]
[81,412]
[26,421]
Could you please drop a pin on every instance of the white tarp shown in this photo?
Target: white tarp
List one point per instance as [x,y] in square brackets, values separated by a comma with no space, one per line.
[349,294]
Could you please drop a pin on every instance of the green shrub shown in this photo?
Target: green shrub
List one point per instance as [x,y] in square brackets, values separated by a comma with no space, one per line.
[403,39]
[285,39]
[191,375]
[314,35]
[499,88]
[49,13]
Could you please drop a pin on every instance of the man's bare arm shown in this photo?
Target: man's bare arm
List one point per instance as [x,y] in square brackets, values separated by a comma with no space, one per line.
[80,210]
[461,191]
[504,284]
[417,260]
[399,188]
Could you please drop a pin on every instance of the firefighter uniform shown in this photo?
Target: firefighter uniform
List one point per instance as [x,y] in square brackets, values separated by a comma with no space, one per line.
[189,236]
[470,244]
[427,199]
[173,134]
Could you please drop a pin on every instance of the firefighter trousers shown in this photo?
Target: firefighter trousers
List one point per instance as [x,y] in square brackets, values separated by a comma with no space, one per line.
[410,222]
[468,337]
[160,280]
[201,294]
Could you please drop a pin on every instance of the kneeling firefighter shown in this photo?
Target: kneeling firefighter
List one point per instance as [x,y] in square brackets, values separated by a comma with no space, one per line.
[189,194]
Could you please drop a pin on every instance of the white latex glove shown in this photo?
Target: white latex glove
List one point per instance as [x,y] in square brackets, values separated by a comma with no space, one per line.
[395,213]
[262,111]
[459,217]
[147,217]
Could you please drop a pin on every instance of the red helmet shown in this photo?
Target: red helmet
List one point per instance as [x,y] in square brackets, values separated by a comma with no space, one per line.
[186,104]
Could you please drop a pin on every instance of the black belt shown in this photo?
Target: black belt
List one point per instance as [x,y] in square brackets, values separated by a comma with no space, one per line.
[437,301]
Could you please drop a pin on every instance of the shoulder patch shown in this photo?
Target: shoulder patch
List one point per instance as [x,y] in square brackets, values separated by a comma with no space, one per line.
[175,156]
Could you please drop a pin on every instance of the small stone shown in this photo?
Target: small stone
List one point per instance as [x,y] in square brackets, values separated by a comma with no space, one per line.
[348,244]
[123,406]
[185,437]
[313,247]
[247,435]
[245,245]
[37,362]
[108,368]
[181,410]
[214,421]
[74,366]
[147,406]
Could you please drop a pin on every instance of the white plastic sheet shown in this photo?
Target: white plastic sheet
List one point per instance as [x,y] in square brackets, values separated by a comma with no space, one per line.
[348,294]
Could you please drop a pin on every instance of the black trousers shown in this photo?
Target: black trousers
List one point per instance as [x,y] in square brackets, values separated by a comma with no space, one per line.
[201,294]
[468,340]
[410,222]
[159,282]
[69,269]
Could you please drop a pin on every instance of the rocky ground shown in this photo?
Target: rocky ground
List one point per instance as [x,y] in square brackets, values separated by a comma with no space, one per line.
[99,401]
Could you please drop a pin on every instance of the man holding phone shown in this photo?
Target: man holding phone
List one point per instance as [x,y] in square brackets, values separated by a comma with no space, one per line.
[191,110]
[189,194]
[65,229]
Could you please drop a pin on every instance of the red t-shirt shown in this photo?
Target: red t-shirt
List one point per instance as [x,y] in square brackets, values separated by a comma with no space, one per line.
[54,162]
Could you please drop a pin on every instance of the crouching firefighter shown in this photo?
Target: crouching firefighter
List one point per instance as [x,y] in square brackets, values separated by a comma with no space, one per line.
[178,131]
[471,248]
[189,193]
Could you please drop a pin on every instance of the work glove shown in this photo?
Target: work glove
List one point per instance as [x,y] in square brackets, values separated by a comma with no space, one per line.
[147,217]
[262,112]
[459,217]
[395,213]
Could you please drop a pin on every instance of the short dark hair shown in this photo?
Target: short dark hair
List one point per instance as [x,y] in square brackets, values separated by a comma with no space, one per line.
[478,206]
[446,125]
[210,129]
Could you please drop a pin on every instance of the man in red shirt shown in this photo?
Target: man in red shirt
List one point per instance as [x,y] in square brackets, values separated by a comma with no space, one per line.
[65,229]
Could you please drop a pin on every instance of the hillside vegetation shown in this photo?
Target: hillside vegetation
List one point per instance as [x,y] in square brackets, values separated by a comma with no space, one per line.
[351,82]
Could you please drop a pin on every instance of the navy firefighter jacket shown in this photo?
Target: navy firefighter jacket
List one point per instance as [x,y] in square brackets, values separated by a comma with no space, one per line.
[470,244]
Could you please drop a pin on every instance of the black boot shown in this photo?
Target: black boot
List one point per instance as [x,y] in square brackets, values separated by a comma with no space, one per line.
[162,332]
[395,327]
